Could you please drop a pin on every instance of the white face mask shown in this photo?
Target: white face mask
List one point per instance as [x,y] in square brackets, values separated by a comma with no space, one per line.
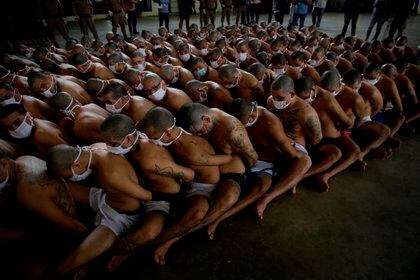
[204,51]
[159,141]
[84,175]
[280,105]
[176,77]
[335,92]
[142,51]
[11,100]
[371,81]
[159,94]
[139,86]
[114,69]
[161,63]
[299,68]
[24,129]
[157,46]
[185,57]
[89,63]
[119,150]
[311,97]
[251,123]
[313,62]
[243,56]
[279,72]
[141,66]
[29,54]
[48,93]
[111,107]
[234,84]
[215,64]
[69,111]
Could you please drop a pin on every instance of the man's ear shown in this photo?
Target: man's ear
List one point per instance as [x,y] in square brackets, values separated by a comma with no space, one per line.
[205,118]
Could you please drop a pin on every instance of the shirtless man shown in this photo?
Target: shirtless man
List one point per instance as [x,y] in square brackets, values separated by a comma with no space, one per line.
[140,63]
[18,82]
[35,135]
[300,120]
[161,57]
[161,174]
[26,180]
[264,76]
[209,93]
[92,69]
[124,46]
[334,153]
[217,59]
[369,135]
[47,85]
[273,147]
[175,76]
[194,152]
[297,60]
[185,55]
[118,100]
[37,108]
[244,55]
[241,84]
[117,64]
[79,49]
[83,120]
[170,98]
[203,72]
[392,111]
[116,203]
[280,66]
[228,136]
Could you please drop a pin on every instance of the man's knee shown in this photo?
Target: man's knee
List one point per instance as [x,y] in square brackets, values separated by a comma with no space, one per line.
[196,216]
[148,234]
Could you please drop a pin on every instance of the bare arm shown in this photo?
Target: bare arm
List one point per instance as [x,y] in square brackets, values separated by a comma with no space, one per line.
[359,107]
[241,144]
[128,187]
[338,115]
[283,143]
[395,98]
[174,170]
[211,160]
[312,127]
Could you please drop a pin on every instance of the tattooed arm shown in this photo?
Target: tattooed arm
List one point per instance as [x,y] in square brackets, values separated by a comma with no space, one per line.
[283,143]
[241,144]
[338,115]
[312,128]
[174,170]
[127,186]
[211,160]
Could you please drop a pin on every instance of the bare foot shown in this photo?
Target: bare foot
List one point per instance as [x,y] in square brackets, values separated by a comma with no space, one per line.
[392,143]
[212,229]
[260,207]
[321,182]
[380,152]
[116,261]
[361,165]
[160,252]
[80,274]
[294,189]
[407,128]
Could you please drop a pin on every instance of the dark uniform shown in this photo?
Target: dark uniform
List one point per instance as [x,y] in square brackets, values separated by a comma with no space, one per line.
[130,8]
[118,16]
[53,15]
[83,9]
[185,8]
[226,10]
[210,8]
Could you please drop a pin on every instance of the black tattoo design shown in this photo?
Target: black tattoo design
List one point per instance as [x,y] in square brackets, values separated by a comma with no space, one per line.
[168,171]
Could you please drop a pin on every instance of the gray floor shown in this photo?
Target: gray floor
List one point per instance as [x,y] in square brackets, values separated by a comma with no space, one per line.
[332,24]
[366,227]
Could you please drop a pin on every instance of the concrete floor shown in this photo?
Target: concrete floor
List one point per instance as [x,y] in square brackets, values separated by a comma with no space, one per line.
[366,227]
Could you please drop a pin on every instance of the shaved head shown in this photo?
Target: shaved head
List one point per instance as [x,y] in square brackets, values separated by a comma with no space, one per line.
[117,126]
[227,71]
[157,120]
[241,108]
[94,85]
[166,72]
[330,79]
[60,101]
[190,115]
[60,158]
[283,83]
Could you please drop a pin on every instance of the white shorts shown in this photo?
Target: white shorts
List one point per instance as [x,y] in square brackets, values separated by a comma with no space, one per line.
[200,189]
[300,148]
[363,121]
[107,216]
[157,205]
[263,167]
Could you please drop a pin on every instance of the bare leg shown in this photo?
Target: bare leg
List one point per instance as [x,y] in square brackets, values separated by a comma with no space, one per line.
[371,135]
[100,240]
[152,226]
[286,181]
[350,153]
[394,121]
[327,155]
[260,184]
